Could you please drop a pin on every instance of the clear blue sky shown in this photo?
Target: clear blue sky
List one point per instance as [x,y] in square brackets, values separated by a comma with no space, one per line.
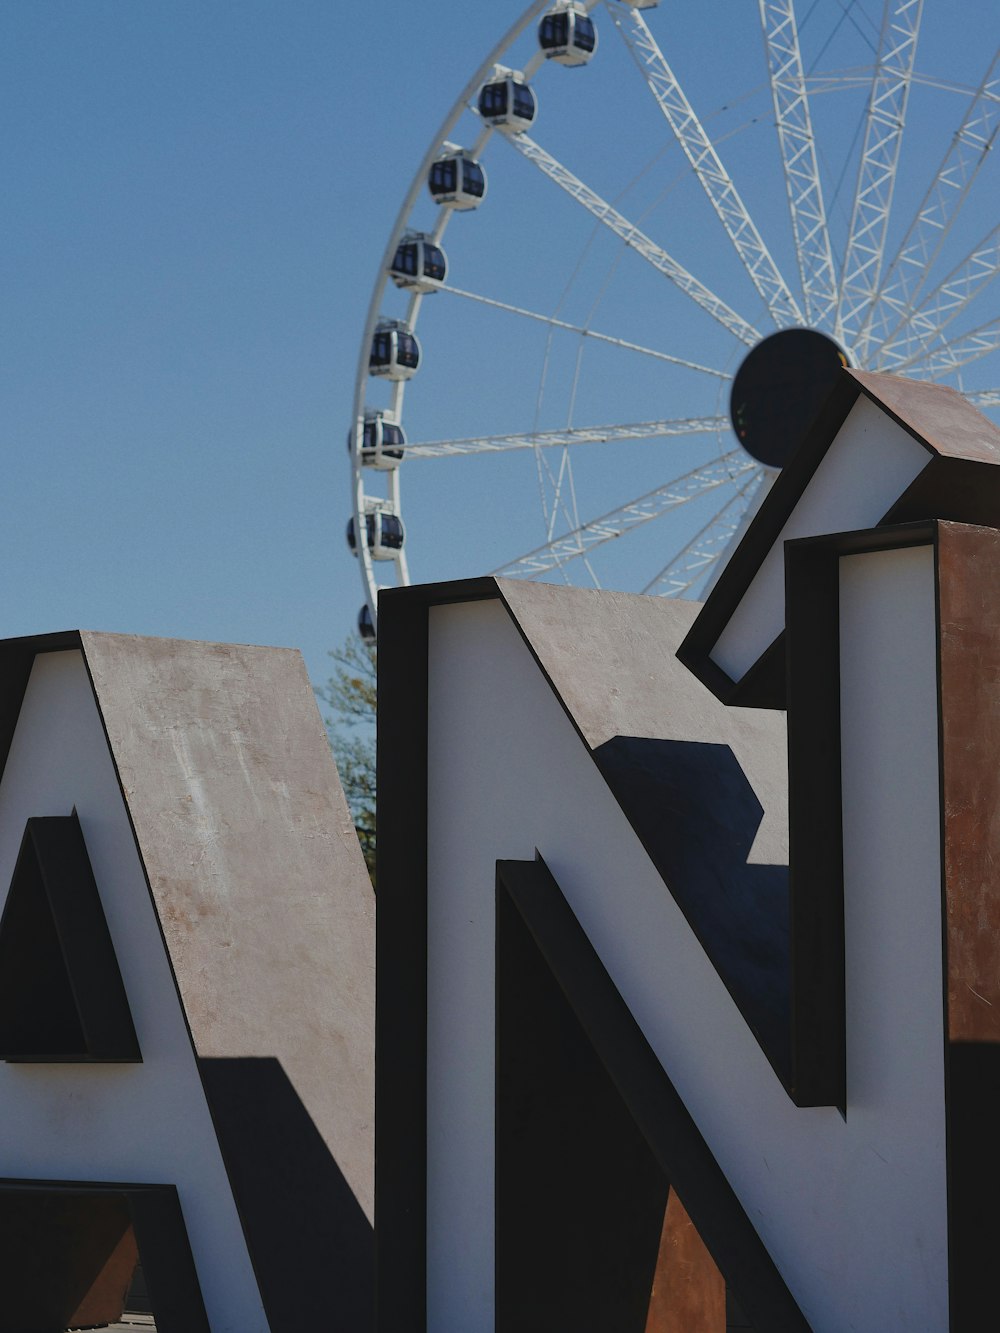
[196,198]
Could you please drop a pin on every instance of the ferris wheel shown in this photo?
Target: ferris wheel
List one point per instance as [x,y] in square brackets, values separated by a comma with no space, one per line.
[666,243]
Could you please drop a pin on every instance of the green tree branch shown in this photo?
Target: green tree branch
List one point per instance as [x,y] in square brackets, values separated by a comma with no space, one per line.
[349,701]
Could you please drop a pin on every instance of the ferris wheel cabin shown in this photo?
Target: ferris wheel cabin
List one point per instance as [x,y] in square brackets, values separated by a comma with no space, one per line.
[382,442]
[384,535]
[366,630]
[506,102]
[395,352]
[566,34]
[456,180]
[418,265]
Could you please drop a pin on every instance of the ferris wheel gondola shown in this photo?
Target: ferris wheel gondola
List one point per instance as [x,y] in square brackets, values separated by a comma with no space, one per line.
[366,626]
[418,264]
[384,534]
[395,351]
[897,278]
[506,101]
[567,35]
[383,441]
[456,180]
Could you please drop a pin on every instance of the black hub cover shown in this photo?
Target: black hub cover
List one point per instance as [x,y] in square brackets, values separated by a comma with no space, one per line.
[779,389]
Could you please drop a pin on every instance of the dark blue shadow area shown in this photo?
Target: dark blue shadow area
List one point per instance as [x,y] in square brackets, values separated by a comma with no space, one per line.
[312,1247]
[697,816]
[973,1101]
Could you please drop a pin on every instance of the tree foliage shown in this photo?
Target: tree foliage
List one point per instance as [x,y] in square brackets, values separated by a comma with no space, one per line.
[349,713]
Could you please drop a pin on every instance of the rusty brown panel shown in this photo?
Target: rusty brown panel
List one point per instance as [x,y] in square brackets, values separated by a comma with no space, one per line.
[969,592]
[106,1298]
[938,415]
[689,1293]
[66,1261]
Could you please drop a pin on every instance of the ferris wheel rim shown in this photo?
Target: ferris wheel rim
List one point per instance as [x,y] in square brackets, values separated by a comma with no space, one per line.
[374,306]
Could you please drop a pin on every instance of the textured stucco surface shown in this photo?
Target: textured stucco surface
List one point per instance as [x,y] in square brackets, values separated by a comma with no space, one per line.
[254,866]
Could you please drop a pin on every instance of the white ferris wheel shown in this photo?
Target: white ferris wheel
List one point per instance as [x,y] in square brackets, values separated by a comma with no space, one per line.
[623,335]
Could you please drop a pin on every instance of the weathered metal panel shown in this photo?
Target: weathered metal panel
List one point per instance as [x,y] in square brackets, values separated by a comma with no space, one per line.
[689,1293]
[611,659]
[969,690]
[969,610]
[254,866]
[939,416]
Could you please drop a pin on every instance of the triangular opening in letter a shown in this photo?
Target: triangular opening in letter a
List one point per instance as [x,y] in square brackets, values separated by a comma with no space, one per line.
[61,992]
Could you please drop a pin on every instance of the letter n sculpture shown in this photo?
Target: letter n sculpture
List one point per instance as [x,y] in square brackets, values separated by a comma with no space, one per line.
[689,1019]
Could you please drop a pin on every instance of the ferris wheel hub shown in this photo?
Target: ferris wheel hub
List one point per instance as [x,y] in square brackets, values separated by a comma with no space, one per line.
[780,386]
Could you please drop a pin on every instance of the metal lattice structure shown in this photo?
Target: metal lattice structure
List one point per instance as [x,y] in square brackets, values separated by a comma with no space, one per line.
[683,215]
[556,554]
[707,166]
[938,211]
[634,238]
[549,439]
[793,120]
[922,325]
[884,126]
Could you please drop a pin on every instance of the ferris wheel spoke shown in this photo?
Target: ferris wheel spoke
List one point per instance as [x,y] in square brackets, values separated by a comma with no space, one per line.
[564,495]
[836,80]
[685,568]
[654,504]
[635,239]
[793,118]
[941,361]
[860,76]
[585,332]
[983,397]
[948,300]
[884,123]
[546,439]
[707,165]
[970,147]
